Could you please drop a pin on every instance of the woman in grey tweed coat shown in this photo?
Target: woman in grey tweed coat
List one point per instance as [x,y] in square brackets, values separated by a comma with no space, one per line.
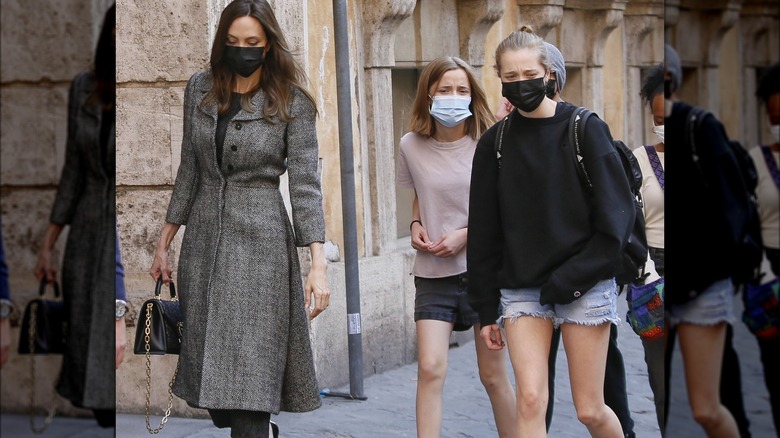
[245,348]
[86,201]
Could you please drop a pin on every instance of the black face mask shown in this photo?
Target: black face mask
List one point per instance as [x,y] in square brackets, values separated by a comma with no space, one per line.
[551,88]
[244,60]
[668,89]
[525,95]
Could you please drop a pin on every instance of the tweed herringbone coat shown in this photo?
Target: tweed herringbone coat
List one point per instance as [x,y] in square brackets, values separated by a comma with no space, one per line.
[245,342]
[86,201]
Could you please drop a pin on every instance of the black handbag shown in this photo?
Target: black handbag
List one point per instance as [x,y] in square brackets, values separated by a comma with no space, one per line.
[159,330]
[160,324]
[43,324]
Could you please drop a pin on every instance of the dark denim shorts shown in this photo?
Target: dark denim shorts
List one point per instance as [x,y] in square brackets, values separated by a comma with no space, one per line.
[444,299]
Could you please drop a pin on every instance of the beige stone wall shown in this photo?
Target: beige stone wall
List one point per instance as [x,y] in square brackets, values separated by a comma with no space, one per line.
[41,51]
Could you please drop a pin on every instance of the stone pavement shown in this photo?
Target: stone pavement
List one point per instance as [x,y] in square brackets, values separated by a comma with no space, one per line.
[389,410]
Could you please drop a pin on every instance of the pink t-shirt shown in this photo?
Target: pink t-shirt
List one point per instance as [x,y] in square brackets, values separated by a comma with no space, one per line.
[440,173]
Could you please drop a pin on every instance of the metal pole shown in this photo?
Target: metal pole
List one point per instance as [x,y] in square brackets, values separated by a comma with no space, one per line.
[348,209]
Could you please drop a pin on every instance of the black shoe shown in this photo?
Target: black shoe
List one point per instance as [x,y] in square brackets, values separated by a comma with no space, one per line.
[275,429]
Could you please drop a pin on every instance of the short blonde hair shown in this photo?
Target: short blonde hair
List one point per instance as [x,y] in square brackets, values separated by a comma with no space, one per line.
[523,38]
[422,122]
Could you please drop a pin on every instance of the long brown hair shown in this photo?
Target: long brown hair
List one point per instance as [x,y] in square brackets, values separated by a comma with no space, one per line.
[280,72]
[422,122]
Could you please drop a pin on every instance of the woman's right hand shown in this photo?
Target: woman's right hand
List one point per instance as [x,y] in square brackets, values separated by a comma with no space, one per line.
[491,334]
[44,266]
[420,239]
[160,265]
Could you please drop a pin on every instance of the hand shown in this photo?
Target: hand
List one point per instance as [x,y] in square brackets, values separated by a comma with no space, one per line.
[44,266]
[5,340]
[492,336]
[317,285]
[160,265]
[121,340]
[449,243]
[504,109]
[420,239]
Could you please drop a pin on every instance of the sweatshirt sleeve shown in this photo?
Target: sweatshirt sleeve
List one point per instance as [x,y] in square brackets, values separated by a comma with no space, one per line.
[485,242]
[612,217]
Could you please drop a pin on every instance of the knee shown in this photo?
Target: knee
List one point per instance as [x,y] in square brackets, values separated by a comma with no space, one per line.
[492,377]
[706,416]
[590,415]
[431,369]
[531,403]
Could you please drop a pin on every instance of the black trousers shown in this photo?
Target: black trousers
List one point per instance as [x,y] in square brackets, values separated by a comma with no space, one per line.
[615,395]
[242,424]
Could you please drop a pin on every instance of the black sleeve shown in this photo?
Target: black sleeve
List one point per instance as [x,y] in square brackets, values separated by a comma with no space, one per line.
[611,219]
[485,240]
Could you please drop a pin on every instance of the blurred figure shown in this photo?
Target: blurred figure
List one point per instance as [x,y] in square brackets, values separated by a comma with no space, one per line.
[121,307]
[5,306]
[767,161]
[699,302]
[449,115]
[86,201]
[651,161]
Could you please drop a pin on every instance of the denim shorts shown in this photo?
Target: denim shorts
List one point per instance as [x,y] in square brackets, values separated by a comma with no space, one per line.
[596,306]
[444,299]
[714,305]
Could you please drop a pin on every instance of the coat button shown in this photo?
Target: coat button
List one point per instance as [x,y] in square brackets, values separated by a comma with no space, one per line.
[238,126]
[234,148]
[230,167]
[577,294]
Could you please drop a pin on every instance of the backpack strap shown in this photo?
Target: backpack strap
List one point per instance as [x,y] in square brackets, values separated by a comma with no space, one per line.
[771,164]
[655,162]
[500,137]
[695,118]
[576,132]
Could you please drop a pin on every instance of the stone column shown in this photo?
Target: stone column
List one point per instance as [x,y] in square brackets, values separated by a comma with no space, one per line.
[543,15]
[643,32]
[380,22]
[475,18]
[760,37]
[587,24]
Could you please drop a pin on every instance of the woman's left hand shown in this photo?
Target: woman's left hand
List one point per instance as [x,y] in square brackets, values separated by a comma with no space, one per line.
[449,243]
[317,286]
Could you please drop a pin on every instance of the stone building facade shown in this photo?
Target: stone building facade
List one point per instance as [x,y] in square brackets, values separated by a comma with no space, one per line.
[160,44]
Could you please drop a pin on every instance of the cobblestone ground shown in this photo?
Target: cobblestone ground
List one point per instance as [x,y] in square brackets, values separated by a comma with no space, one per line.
[389,410]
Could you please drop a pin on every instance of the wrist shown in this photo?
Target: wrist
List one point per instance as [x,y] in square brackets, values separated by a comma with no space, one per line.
[411,224]
[6,308]
[121,309]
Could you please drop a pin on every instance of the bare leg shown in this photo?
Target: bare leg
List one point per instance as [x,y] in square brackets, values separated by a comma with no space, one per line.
[433,342]
[528,338]
[494,377]
[586,351]
[702,351]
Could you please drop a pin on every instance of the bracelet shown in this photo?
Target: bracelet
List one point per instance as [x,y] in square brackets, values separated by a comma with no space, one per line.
[416,220]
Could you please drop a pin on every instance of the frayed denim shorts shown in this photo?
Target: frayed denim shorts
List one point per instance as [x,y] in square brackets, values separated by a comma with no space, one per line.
[596,306]
[714,305]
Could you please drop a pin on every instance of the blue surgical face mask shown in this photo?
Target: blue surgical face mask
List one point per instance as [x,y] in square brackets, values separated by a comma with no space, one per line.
[450,110]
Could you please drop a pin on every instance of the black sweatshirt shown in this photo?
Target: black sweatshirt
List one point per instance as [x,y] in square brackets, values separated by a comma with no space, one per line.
[534,223]
[710,219]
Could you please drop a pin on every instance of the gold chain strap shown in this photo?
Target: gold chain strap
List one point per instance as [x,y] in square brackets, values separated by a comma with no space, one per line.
[31,340]
[147,333]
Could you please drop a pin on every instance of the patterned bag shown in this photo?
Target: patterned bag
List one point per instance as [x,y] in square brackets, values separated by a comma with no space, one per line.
[762,309]
[646,309]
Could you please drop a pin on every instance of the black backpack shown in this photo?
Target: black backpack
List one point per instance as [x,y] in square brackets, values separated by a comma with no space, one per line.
[748,253]
[634,255]
[631,265]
